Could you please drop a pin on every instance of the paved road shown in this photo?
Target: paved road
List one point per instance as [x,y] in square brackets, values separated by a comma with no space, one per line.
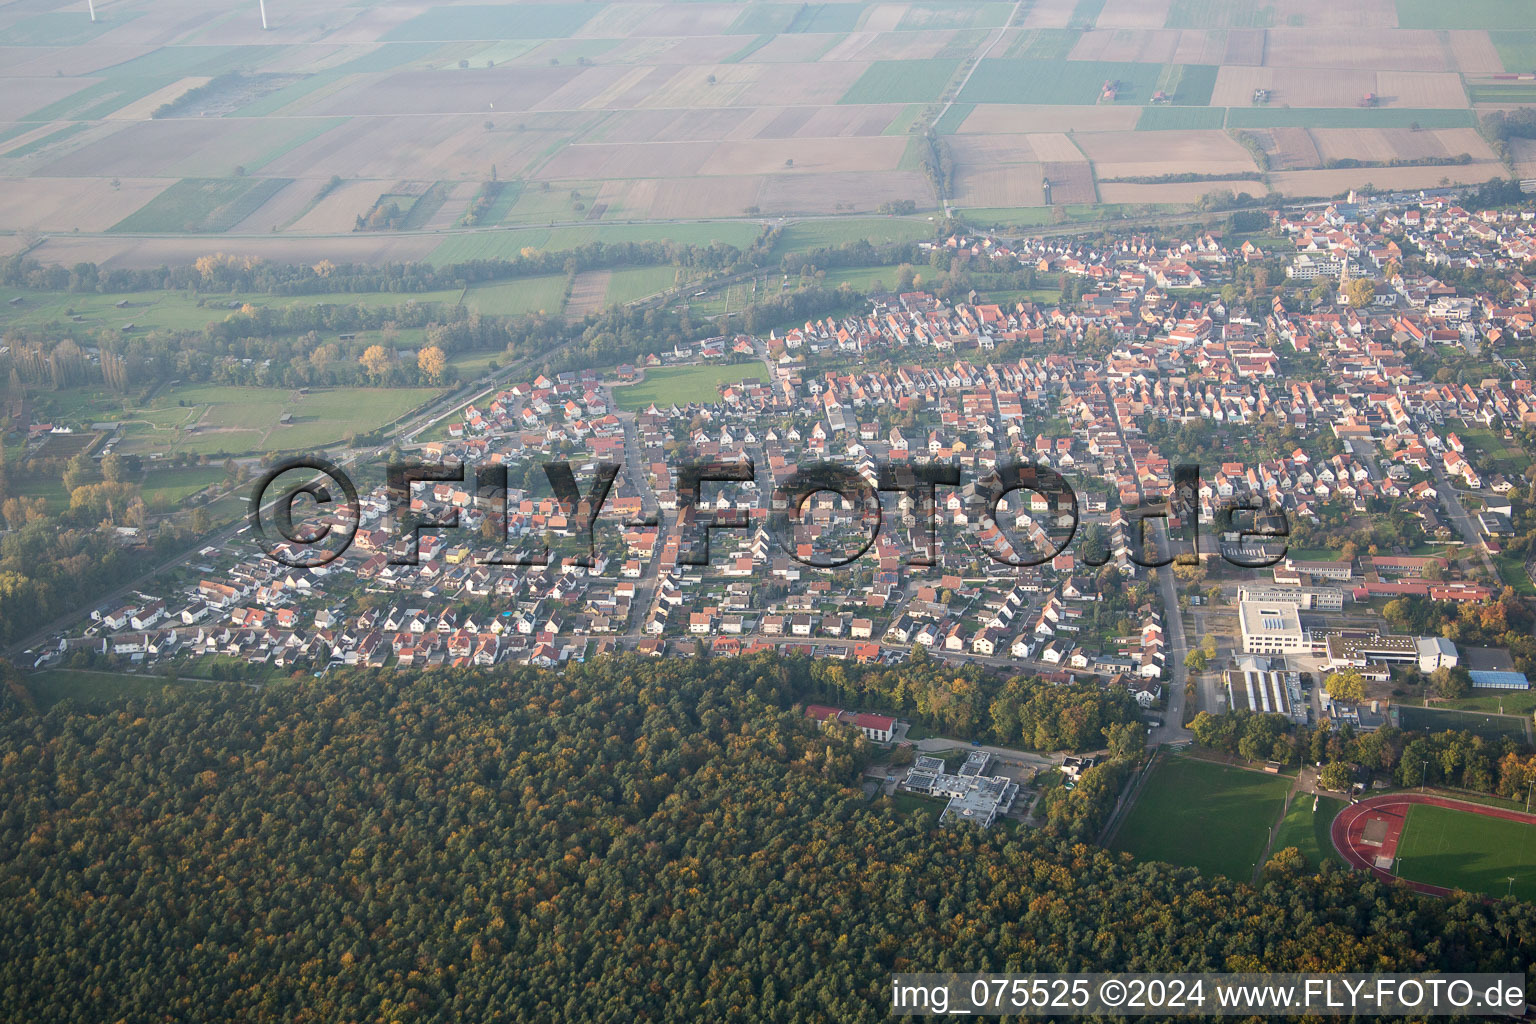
[1460,519]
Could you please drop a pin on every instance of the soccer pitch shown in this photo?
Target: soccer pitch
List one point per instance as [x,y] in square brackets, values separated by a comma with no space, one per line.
[1462,850]
[1206,815]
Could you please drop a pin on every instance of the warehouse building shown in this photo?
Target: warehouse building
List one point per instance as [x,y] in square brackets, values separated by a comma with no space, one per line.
[1271,627]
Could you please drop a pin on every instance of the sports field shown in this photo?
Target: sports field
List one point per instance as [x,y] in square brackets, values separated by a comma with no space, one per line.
[1462,850]
[1307,830]
[679,385]
[1204,815]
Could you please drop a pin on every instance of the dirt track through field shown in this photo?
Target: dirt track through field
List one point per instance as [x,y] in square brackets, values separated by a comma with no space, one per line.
[588,293]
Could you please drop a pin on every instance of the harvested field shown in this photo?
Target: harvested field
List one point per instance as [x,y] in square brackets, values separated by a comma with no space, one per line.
[976,150]
[1137,14]
[63,204]
[1289,149]
[446,92]
[21,96]
[589,293]
[1153,153]
[142,109]
[1245,46]
[1319,48]
[284,206]
[1328,183]
[1524,153]
[338,211]
[1400,143]
[1475,53]
[987,185]
[1049,14]
[872,46]
[815,155]
[685,197]
[1070,182]
[1005,117]
[836,193]
[1158,46]
[1059,81]
[846,122]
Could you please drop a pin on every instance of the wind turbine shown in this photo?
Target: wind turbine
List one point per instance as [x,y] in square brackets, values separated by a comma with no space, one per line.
[263,4]
[92,5]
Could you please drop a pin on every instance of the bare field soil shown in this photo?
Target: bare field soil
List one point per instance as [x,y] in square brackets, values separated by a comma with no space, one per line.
[338,211]
[989,118]
[1400,143]
[1474,52]
[440,148]
[1289,149]
[1116,155]
[54,61]
[109,251]
[64,204]
[1049,14]
[1136,14]
[991,185]
[635,160]
[283,207]
[1362,16]
[1156,46]
[20,96]
[143,109]
[1337,87]
[677,199]
[588,292]
[828,156]
[823,193]
[1070,182]
[1245,46]
[1404,50]
[873,46]
[1524,153]
[506,89]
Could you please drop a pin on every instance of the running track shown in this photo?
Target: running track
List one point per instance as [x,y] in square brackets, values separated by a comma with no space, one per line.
[1349,827]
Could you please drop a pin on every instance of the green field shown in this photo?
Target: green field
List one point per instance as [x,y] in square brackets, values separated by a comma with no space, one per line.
[513,21]
[1466,14]
[505,245]
[1194,85]
[1172,118]
[816,234]
[90,687]
[523,295]
[1059,81]
[630,283]
[679,385]
[1502,92]
[1220,14]
[1485,721]
[164,489]
[201,205]
[1045,43]
[934,17]
[1462,850]
[901,81]
[1347,117]
[209,420]
[1517,50]
[1204,815]
[825,18]
[1307,830]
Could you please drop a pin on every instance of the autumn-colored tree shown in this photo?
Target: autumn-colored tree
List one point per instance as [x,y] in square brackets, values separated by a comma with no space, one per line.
[376,360]
[431,362]
[1347,686]
[1361,292]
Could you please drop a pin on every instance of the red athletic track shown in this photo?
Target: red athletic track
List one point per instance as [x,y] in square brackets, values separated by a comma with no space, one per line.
[1348,829]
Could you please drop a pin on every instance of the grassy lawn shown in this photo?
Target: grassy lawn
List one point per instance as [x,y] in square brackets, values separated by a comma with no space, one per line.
[678,385]
[524,295]
[909,803]
[1512,572]
[212,419]
[1514,703]
[1468,851]
[91,687]
[1208,816]
[164,489]
[817,234]
[1307,830]
[631,283]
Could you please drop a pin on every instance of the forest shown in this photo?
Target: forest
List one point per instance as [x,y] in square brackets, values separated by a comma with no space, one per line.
[623,840]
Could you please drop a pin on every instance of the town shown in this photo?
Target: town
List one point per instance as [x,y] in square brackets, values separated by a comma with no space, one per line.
[1349,401]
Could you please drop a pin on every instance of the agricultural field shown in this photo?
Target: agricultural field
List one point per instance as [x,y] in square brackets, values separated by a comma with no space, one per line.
[1462,850]
[679,385]
[697,121]
[1204,815]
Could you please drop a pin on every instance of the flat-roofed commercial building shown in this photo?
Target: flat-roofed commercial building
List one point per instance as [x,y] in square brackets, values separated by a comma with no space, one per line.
[1271,627]
[1263,685]
[1308,599]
